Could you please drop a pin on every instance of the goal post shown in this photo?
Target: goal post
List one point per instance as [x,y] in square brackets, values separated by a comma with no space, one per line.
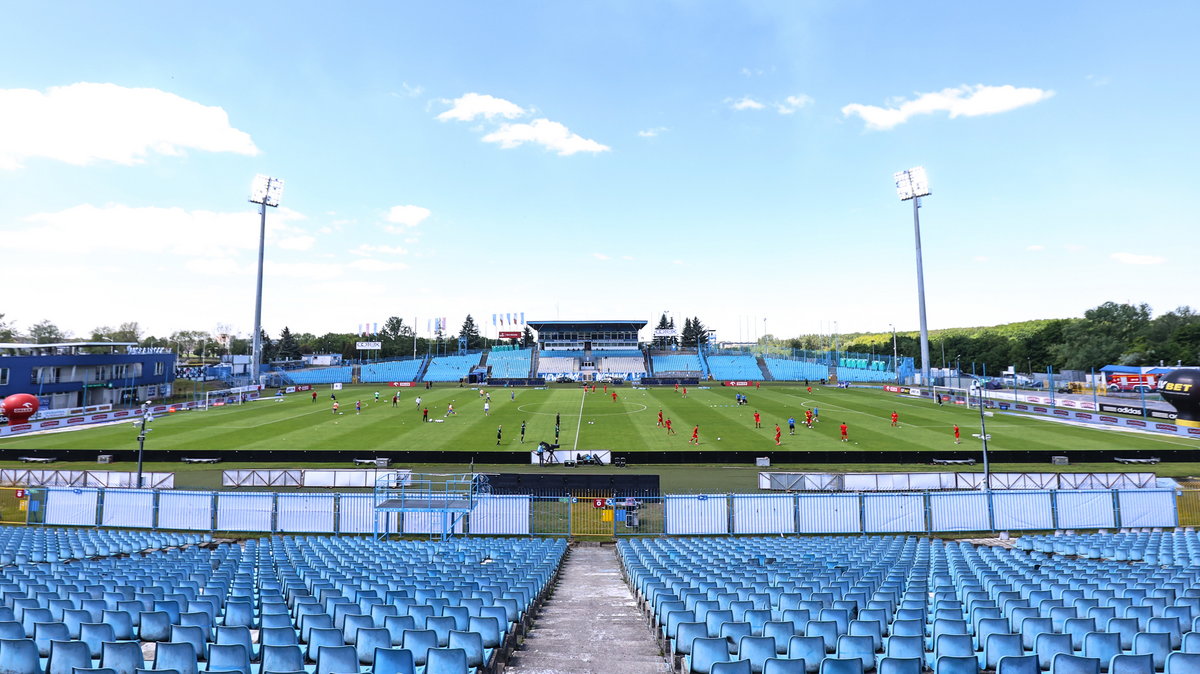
[948,395]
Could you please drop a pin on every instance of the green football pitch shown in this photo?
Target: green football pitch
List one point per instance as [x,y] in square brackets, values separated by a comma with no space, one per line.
[593,421]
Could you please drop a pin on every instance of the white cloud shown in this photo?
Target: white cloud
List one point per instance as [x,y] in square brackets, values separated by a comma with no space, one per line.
[1098,80]
[90,122]
[1133,258]
[368,249]
[407,216]
[793,103]
[371,264]
[601,256]
[301,242]
[311,271]
[745,103]
[962,101]
[469,106]
[747,72]
[676,261]
[551,135]
[412,90]
[652,132]
[627,257]
[86,228]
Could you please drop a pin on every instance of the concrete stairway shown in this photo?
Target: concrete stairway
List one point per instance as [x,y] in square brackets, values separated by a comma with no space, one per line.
[590,624]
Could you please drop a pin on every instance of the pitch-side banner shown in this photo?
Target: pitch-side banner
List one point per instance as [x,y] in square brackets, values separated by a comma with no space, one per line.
[368,346]
[510,335]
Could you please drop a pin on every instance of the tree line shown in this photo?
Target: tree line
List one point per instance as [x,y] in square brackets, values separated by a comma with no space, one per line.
[1109,334]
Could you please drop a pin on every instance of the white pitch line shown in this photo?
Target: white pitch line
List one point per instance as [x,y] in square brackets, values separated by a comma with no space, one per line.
[579,421]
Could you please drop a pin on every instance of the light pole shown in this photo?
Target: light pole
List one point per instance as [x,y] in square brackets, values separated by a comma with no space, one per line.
[141,438]
[912,185]
[987,473]
[895,354]
[264,191]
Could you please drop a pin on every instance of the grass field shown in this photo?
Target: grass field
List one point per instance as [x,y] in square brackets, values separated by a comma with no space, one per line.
[592,422]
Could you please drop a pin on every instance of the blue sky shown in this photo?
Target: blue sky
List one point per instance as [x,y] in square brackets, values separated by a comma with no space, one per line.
[731,161]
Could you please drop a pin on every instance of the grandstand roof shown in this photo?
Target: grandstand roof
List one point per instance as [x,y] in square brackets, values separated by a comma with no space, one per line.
[586,325]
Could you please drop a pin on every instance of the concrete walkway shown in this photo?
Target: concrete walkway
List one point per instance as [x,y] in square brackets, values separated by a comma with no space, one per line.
[591,624]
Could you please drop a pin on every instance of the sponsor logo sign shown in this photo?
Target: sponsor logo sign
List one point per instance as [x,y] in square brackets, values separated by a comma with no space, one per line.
[1166,427]
[1136,422]
[304,387]
[516,334]
[368,346]
[403,384]
[1109,420]
[739,383]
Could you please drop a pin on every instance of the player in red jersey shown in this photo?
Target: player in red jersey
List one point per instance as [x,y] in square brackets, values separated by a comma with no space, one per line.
[956,438]
[614,395]
[757,419]
[778,434]
[670,431]
[695,436]
[810,389]
[895,419]
[684,391]
[843,428]
[660,419]
[808,418]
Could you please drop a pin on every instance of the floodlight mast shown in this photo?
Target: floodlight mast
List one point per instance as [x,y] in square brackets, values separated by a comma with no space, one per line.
[914,184]
[264,191]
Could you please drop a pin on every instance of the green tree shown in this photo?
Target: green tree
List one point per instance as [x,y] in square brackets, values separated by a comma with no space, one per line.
[527,337]
[287,348]
[8,330]
[700,331]
[1105,334]
[661,342]
[45,332]
[471,332]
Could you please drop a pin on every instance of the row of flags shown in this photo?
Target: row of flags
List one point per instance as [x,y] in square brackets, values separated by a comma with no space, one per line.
[508,319]
[433,325]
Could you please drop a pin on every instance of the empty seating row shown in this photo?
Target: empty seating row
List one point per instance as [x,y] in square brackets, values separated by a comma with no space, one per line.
[450,368]
[742,367]
[680,362]
[324,375]
[22,545]
[796,370]
[1156,548]
[510,364]
[279,605]
[878,600]
[396,370]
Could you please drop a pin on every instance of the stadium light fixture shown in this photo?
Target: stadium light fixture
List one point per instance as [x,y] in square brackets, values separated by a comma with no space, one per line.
[264,191]
[912,185]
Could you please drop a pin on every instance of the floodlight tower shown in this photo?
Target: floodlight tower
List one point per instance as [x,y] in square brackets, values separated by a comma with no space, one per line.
[264,191]
[914,184]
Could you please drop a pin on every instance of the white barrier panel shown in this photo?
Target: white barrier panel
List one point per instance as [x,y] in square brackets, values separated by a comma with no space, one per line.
[766,514]
[262,478]
[1085,510]
[190,510]
[1148,508]
[128,508]
[893,513]
[244,512]
[959,511]
[495,514]
[349,477]
[71,506]
[431,522]
[1024,480]
[800,481]
[696,514]
[1106,480]
[828,514]
[356,514]
[1017,510]
[304,513]
[19,477]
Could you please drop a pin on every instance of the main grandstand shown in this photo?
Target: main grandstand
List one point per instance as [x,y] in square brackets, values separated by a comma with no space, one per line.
[608,350]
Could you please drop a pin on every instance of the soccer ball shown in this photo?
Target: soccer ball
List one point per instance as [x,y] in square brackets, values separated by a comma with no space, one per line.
[718,438]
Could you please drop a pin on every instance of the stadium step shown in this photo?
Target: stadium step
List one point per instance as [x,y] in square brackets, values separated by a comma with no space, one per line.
[762,365]
[590,624]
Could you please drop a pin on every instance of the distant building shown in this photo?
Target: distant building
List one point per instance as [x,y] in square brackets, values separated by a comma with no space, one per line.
[77,374]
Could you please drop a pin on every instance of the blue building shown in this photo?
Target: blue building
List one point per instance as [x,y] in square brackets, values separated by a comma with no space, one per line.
[77,374]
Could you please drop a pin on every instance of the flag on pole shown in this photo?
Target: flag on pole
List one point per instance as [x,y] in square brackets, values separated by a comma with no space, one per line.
[375,328]
[522,318]
[493,320]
